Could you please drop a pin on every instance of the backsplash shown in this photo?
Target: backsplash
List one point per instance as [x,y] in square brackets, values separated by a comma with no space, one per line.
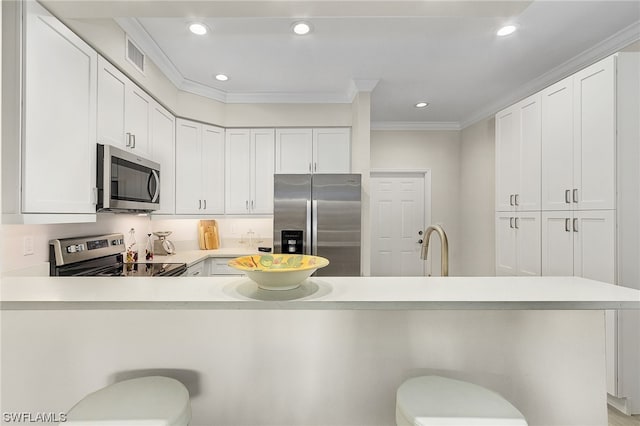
[233,233]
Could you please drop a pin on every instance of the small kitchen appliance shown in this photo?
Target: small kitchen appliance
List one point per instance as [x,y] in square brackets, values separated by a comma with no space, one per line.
[162,246]
[101,256]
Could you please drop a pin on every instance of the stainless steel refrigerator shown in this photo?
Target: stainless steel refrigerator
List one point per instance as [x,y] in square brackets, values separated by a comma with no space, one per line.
[319,214]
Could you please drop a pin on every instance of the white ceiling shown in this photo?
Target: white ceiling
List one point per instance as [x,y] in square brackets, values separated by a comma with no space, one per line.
[445,53]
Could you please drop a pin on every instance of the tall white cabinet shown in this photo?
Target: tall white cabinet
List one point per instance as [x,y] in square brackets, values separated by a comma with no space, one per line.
[588,202]
[59,127]
[199,168]
[249,157]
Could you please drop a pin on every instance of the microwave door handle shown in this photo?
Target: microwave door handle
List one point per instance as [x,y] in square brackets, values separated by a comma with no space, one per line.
[154,197]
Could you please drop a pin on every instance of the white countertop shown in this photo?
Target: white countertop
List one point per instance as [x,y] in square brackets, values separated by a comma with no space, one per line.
[385,293]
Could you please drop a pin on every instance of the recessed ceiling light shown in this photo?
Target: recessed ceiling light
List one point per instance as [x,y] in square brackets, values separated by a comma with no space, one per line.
[301,28]
[197,28]
[422,104]
[506,30]
[222,77]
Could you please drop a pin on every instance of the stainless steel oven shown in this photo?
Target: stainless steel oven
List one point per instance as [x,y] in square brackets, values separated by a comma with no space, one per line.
[126,181]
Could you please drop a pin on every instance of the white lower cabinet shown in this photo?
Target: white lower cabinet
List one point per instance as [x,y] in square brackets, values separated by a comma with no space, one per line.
[199,269]
[219,266]
[199,168]
[518,243]
[579,243]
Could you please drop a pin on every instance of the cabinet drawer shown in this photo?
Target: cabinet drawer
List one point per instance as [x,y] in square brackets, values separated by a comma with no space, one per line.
[196,270]
[219,267]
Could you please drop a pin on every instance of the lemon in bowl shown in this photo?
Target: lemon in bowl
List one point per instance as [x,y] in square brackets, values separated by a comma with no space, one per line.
[278,271]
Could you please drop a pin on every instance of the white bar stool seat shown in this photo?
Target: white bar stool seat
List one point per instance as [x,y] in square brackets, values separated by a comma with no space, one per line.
[434,400]
[145,401]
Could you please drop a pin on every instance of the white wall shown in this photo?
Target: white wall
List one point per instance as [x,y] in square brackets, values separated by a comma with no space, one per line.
[438,151]
[477,195]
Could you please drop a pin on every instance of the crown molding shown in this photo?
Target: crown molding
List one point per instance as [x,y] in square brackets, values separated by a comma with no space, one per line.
[599,51]
[359,85]
[287,98]
[415,125]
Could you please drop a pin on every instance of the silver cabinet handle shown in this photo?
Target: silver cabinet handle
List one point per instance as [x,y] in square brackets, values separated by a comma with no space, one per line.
[252,205]
[567,221]
[205,204]
[517,223]
[516,198]
[575,195]
[309,167]
[128,140]
[511,199]
[196,273]
[133,141]
[511,222]
[315,167]
[199,204]
[567,196]
[575,225]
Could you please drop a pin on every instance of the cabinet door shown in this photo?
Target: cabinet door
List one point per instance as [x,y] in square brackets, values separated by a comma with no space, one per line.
[557,145]
[262,166]
[332,150]
[163,149]
[294,151]
[506,257]
[529,153]
[595,133]
[188,167]
[594,245]
[506,158]
[238,171]
[213,168]
[138,112]
[529,251]
[112,87]
[557,244]
[59,134]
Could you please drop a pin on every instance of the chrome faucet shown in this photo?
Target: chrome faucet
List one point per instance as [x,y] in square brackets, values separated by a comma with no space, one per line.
[444,247]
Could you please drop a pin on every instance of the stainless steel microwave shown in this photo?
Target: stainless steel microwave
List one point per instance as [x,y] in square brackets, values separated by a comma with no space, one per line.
[126,182]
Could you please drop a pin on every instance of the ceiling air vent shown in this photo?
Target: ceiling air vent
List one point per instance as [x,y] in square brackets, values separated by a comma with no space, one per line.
[135,55]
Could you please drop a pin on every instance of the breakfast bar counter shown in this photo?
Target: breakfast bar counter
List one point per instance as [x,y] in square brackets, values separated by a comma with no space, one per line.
[331,352]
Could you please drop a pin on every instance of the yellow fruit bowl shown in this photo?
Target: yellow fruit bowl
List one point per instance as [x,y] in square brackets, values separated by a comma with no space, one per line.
[278,271]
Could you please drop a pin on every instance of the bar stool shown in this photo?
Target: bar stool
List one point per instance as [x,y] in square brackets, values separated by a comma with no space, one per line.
[434,400]
[148,401]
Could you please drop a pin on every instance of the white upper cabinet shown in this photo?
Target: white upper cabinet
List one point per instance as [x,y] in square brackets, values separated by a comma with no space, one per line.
[322,150]
[59,131]
[578,140]
[124,111]
[249,172]
[162,136]
[199,168]
[518,152]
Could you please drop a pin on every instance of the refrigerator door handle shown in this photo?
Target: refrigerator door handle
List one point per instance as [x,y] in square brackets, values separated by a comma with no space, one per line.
[307,249]
[314,227]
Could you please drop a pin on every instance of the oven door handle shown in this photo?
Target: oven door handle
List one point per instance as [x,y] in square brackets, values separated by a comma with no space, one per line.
[154,197]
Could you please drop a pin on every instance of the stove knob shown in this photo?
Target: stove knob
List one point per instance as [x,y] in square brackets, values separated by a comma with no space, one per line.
[71,249]
[80,247]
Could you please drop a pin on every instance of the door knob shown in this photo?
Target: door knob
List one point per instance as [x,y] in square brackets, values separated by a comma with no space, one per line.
[419,232]
[420,241]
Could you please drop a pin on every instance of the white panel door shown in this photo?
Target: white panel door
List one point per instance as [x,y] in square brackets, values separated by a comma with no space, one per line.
[398,206]
[137,119]
[506,244]
[238,171]
[213,168]
[557,145]
[594,245]
[59,134]
[529,153]
[506,158]
[529,252]
[164,152]
[262,167]
[112,87]
[557,244]
[188,167]
[294,151]
[332,150]
[595,135]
